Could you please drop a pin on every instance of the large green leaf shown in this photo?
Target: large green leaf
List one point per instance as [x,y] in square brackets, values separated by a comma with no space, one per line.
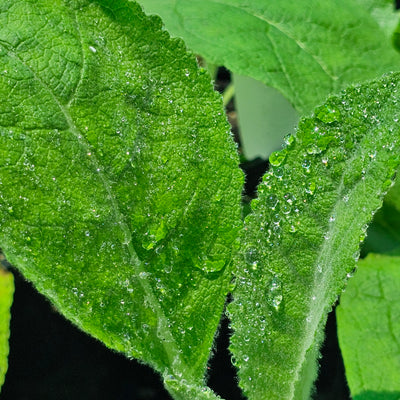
[302,239]
[306,49]
[120,186]
[6,298]
[369,329]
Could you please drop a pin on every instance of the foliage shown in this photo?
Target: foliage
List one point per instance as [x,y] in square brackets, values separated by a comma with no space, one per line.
[368,319]
[120,186]
[288,45]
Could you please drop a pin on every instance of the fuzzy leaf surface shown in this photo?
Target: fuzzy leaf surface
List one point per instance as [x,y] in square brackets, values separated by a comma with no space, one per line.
[119,181]
[303,237]
[369,328]
[288,45]
[6,299]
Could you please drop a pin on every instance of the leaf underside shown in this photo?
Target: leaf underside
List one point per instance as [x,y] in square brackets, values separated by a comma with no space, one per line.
[301,242]
[119,181]
[288,45]
[369,329]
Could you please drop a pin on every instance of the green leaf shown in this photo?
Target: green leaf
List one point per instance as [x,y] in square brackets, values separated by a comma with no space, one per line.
[369,329]
[302,239]
[6,298]
[383,11]
[305,49]
[120,186]
[384,233]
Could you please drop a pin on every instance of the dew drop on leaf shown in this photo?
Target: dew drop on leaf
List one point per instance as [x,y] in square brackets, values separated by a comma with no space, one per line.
[310,188]
[328,114]
[289,139]
[289,197]
[277,157]
[154,234]
[306,164]
[278,172]
[275,296]
[272,201]
[251,256]
[208,264]
[143,275]
[313,149]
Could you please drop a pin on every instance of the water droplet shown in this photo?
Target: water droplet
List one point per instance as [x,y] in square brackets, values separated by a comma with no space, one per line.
[143,275]
[251,256]
[310,188]
[275,296]
[276,219]
[246,358]
[272,201]
[328,113]
[289,197]
[168,269]
[277,157]
[306,164]
[278,172]
[154,234]
[289,139]
[208,264]
[286,208]
[313,149]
